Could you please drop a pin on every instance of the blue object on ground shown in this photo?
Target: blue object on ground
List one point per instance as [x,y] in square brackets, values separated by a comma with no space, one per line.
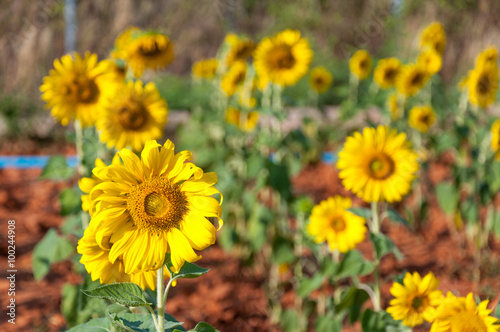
[329,157]
[24,162]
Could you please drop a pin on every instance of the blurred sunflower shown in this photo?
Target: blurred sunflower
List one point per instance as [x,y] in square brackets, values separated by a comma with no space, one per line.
[245,121]
[76,88]
[433,37]
[360,64]
[483,85]
[133,116]
[117,69]
[495,138]
[239,49]
[283,59]
[431,61]
[143,49]
[320,79]
[463,314]
[330,221]
[386,72]
[415,300]
[487,57]
[205,69]
[411,80]
[378,164]
[463,84]
[96,261]
[393,106]
[234,78]
[421,118]
[152,205]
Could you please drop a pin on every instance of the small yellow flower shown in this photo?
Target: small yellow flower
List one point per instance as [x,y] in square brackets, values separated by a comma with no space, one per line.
[386,72]
[77,87]
[483,85]
[331,222]
[430,60]
[393,106]
[411,80]
[378,164]
[234,78]
[433,37]
[421,118]
[320,79]
[495,138]
[487,57]
[415,300]
[205,69]
[460,314]
[136,114]
[283,59]
[239,49]
[360,64]
[245,121]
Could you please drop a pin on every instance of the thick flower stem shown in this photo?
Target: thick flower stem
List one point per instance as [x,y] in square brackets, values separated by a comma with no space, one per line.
[375,229]
[375,219]
[160,301]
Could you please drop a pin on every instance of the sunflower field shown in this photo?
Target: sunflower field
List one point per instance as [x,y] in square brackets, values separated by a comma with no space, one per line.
[276,187]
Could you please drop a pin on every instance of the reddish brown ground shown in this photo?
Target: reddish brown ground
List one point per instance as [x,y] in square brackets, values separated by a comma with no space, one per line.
[230,296]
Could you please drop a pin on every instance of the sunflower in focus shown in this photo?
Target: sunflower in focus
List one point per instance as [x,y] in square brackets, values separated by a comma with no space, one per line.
[433,37]
[487,57]
[360,64]
[431,61]
[421,118]
[143,50]
[463,314]
[320,79]
[331,222]
[283,59]
[495,138]
[378,164]
[153,205]
[393,106]
[76,88]
[234,78]
[205,69]
[412,79]
[415,300]
[386,72]
[483,85]
[245,121]
[133,116]
[239,49]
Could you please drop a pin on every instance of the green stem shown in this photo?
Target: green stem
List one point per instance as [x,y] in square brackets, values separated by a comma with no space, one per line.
[375,229]
[375,219]
[151,311]
[353,89]
[160,298]
[80,170]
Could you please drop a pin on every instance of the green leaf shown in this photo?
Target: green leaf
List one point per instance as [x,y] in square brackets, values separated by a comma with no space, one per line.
[279,179]
[353,301]
[57,169]
[69,302]
[353,264]
[396,217]
[328,323]
[447,195]
[94,325]
[470,211]
[127,294]
[139,322]
[307,286]
[290,321]
[203,327]
[260,218]
[188,270]
[70,201]
[282,251]
[384,245]
[361,212]
[51,249]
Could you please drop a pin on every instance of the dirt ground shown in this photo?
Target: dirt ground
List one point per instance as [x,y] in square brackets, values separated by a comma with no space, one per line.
[231,296]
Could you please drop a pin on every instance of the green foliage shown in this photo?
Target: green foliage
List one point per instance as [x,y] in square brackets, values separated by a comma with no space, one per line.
[353,264]
[352,301]
[139,322]
[94,325]
[57,169]
[127,294]
[70,200]
[384,245]
[51,249]
[447,195]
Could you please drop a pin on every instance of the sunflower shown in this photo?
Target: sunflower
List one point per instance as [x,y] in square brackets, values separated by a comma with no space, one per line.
[421,118]
[239,49]
[243,120]
[483,85]
[393,106]
[433,37]
[133,116]
[495,138]
[153,205]
[431,61]
[96,261]
[415,300]
[320,79]
[283,59]
[331,222]
[378,164]
[386,72]
[488,56]
[456,314]
[360,64]
[412,78]
[143,49]
[76,88]
[205,69]
[234,78]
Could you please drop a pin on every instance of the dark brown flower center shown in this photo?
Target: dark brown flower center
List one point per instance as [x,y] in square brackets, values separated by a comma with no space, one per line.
[83,90]
[381,166]
[132,115]
[281,57]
